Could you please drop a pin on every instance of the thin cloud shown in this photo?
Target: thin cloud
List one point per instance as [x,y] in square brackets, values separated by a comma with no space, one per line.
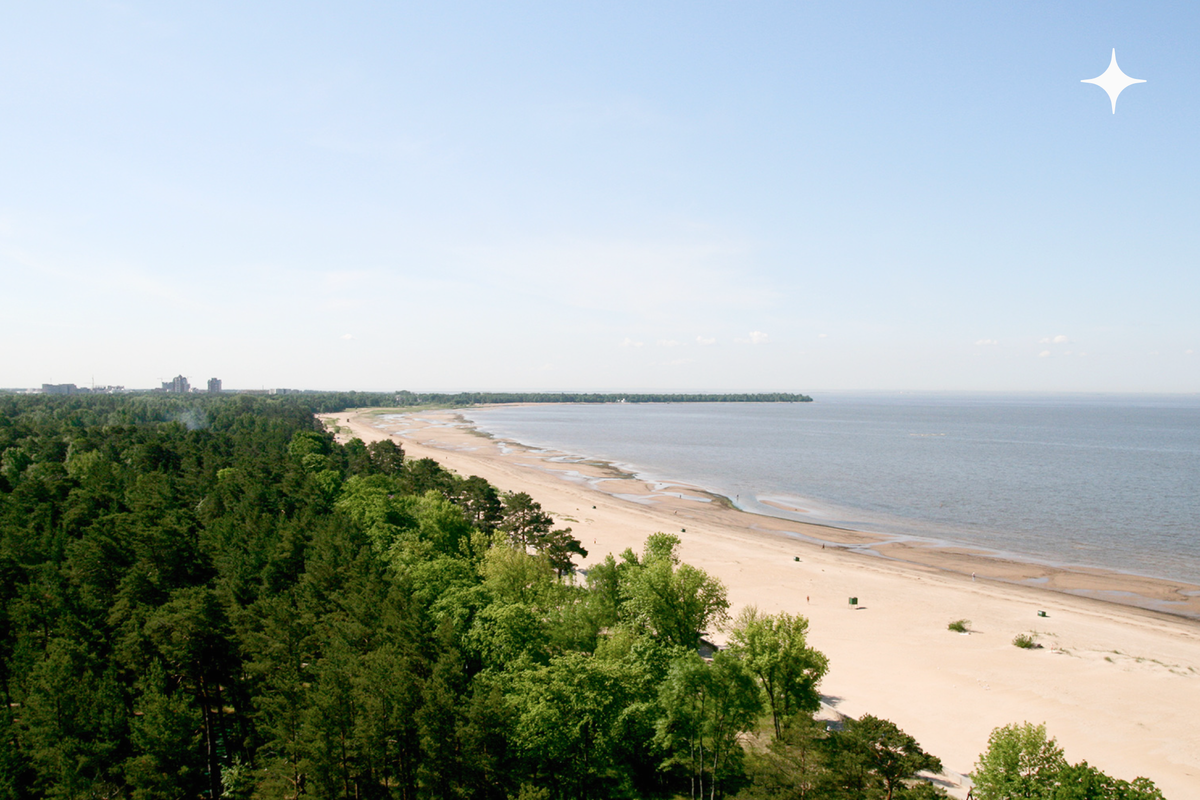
[986,342]
[822,335]
[756,337]
[1044,354]
[705,341]
[667,343]
[631,343]
[1060,339]
[703,274]
[347,336]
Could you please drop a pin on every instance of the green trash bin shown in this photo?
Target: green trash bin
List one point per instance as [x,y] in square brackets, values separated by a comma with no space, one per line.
[853,601]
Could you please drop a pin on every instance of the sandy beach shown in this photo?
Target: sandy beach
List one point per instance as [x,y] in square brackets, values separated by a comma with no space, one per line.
[1117,685]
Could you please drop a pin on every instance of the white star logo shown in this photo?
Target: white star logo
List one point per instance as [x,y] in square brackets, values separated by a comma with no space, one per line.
[1113,80]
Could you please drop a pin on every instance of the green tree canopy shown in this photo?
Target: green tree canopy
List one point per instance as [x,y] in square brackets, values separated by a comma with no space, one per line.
[527,526]
[890,753]
[1020,761]
[775,650]
[675,602]
[705,707]
[386,456]
[1084,782]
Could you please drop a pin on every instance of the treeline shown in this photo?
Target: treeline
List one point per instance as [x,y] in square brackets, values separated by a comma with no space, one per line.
[328,402]
[215,599]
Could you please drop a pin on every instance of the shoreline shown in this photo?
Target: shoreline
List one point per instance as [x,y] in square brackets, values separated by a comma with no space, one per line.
[1153,593]
[1114,682]
[1107,492]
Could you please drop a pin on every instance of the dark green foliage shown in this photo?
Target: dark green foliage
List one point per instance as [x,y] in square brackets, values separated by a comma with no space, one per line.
[868,759]
[569,723]
[480,503]
[386,457]
[705,710]
[792,766]
[425,475]
[209,597]
[1084,782]
[234,605]
[172,598]
[529,528]
[524,522]
[165,735]
[882,754]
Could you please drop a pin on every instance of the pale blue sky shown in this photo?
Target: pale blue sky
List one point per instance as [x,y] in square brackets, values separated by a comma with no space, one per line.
[683,196]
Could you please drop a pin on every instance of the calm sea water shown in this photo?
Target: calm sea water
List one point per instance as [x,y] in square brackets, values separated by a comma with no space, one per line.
[1107,481]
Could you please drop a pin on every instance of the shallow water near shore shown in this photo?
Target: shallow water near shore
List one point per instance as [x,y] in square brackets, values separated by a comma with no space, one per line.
[1102,481]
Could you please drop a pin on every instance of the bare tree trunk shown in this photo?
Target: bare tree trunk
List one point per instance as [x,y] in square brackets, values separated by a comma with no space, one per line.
[210,744]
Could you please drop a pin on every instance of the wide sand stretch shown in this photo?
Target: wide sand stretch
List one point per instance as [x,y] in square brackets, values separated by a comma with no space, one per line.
[1118,686]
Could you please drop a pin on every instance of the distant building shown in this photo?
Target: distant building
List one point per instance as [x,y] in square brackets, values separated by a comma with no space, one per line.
[70,388]
[214,385]
[179,385]
[282,391]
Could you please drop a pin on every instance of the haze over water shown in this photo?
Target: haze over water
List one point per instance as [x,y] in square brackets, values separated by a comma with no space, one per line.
[1105,481]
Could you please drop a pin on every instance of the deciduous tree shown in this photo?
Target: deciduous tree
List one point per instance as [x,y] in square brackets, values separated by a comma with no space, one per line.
[705,708]
[1020,761]
[675,602]
[776,652]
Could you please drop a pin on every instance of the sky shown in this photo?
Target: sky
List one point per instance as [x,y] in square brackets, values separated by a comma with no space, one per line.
[607,196]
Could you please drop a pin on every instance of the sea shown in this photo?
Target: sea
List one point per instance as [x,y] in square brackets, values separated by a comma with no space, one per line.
[1109,481]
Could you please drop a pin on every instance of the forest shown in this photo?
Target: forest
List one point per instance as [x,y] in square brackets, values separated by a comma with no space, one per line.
[209,597]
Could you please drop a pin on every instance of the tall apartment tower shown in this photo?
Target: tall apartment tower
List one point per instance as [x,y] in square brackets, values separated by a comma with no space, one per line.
[214,385]
[179,385]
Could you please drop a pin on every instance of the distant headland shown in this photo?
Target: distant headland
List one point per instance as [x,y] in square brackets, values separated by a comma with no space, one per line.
[335,400]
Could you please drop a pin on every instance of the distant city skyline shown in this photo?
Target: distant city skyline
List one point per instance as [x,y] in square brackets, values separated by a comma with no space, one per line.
[653,197]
